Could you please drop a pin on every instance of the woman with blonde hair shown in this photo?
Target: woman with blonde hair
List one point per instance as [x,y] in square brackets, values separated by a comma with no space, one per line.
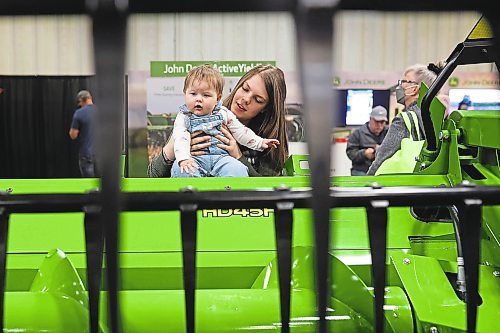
[407,93]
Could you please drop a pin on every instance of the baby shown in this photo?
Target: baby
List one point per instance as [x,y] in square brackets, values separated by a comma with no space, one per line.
[204,112]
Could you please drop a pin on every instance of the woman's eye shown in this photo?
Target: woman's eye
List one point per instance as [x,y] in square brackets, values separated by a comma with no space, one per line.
[258,100]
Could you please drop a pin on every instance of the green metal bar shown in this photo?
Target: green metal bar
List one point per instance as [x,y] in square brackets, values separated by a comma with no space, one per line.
[338,197]
[4,230]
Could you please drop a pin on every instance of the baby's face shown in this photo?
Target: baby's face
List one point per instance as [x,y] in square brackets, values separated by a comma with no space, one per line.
[201,98]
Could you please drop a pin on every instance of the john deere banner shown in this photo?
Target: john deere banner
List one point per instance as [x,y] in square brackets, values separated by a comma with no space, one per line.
[166,83]
[181,68]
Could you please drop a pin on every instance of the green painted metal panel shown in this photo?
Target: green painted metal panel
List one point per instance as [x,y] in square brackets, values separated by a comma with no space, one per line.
[43,312]
[236,261]
[228,230]
[480,128]
[434,300]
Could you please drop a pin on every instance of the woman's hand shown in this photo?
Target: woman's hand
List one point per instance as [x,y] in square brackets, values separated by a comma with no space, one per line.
[229,144]
[199,143]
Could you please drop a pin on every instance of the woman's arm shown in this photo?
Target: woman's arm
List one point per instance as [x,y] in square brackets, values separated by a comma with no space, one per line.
[160,166]
[251,170]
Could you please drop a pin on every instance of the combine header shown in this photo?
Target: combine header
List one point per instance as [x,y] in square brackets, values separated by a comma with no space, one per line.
[306,252]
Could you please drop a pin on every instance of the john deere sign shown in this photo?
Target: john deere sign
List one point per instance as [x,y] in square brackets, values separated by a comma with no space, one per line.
[181,68]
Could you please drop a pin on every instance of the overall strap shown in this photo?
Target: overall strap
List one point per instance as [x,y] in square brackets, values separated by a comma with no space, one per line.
[184,109]
[217,107]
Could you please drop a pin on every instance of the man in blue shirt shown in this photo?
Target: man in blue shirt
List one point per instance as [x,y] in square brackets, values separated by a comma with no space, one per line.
[81,127]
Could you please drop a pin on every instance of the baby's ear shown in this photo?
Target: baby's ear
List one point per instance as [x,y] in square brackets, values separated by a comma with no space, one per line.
[219,97]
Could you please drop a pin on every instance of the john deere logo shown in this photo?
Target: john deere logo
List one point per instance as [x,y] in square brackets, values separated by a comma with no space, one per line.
[453,81]
[336,81]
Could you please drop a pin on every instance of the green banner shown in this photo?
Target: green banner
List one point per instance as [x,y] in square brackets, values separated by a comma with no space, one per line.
[181,68]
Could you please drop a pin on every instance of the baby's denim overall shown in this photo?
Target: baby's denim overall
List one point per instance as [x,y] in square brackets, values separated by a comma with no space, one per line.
[216,162]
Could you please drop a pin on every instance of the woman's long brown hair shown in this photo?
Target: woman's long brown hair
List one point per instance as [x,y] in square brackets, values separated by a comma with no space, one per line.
[271,122]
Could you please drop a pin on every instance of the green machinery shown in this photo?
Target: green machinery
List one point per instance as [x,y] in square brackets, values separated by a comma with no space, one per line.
[231,255]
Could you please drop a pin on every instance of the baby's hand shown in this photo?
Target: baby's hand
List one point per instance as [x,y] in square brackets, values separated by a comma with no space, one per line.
[270,143]
[188,166]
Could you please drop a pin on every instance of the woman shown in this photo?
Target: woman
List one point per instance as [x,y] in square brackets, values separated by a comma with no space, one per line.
[258,101]
[407,93]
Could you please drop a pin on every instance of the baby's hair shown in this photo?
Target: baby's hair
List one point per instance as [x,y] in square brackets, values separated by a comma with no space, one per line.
[205,73]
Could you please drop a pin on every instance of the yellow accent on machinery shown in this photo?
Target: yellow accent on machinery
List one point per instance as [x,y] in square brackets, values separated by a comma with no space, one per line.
[482,30]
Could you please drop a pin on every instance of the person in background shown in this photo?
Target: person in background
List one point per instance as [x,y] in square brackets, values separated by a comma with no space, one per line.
[203,111]
[364,141]
[465,104]
[407,92]
[81,128]
[258,101]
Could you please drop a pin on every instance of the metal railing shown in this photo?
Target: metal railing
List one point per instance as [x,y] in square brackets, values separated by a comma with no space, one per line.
[283,200]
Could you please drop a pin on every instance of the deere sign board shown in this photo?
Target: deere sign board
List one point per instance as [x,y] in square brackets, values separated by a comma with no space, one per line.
[181,68]
[166,82]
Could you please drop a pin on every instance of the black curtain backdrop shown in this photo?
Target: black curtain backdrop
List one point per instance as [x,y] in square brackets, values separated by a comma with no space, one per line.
[35,117]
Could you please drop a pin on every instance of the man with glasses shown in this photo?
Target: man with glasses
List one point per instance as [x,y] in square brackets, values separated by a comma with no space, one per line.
[407,92]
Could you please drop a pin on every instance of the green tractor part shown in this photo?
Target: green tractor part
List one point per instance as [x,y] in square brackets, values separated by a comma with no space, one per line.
[415,252]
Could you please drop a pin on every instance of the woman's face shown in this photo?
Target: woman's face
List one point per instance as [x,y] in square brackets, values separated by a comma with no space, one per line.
[250,99]
[411,87]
